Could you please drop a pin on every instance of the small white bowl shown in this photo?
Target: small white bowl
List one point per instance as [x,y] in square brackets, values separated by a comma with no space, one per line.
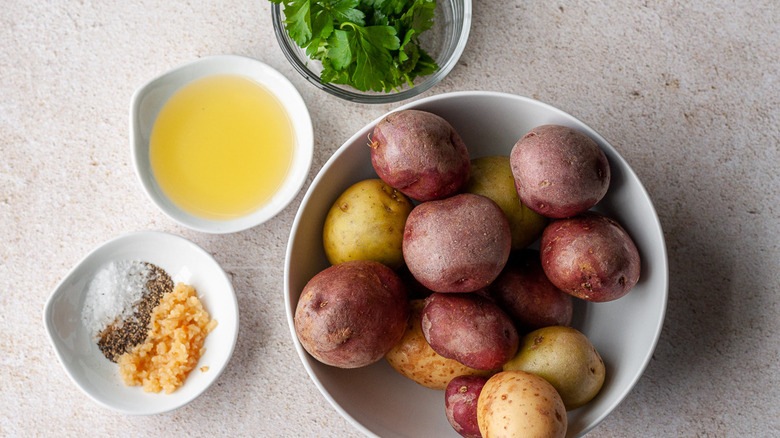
[98,377]
[150,98]
[379,401]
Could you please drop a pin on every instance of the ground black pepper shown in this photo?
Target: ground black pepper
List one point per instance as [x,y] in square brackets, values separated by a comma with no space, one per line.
[121,336]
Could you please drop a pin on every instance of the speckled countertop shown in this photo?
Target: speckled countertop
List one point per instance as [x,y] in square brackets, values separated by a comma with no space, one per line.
[688,93]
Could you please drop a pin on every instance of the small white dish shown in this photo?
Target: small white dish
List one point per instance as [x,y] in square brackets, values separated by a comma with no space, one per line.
[380,402]
[98,377]
[150,98]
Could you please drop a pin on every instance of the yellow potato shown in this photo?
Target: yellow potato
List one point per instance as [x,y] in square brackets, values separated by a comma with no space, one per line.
[492,177]
[520,404]
[564,357]
[416,360]
[367,223]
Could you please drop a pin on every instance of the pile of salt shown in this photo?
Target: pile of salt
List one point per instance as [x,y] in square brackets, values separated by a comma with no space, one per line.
[112,293]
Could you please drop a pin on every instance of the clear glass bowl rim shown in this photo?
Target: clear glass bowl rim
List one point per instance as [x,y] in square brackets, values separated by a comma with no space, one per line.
[288,48]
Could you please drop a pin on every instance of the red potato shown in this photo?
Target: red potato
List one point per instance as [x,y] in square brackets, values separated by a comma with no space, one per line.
[413,358]
[458,244]
[460,404]
[351,314]
[590,256]
[420,154]
[470,329]
[414,289]
[559,172]
[527,295]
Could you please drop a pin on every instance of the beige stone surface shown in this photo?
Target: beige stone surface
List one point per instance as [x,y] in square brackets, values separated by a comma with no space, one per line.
[686,91]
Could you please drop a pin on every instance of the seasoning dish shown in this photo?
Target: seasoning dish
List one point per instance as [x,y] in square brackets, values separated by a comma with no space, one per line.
[78,352]
[379,401]
[146,108]
[444,42]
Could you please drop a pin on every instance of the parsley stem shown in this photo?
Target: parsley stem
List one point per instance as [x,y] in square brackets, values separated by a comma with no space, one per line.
[350,24]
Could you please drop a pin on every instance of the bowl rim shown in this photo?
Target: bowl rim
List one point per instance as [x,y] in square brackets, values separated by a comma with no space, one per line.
[664,272]
[287,95]
[58,290]
[357,96]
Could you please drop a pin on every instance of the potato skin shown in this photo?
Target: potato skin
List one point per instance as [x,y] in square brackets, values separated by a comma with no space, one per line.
[458,244]
[413,358]
[520,404]
[460,404]
[351,314]
[470,329]
[564,357]
[525,293]
[492,177]
[367,223]
[420,154]
[559,172]
[590,256]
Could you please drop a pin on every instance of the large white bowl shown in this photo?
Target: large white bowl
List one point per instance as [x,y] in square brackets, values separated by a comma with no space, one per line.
[98,377]
[379,401]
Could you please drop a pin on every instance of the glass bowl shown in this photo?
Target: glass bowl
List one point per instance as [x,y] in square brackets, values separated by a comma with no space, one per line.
[444,42]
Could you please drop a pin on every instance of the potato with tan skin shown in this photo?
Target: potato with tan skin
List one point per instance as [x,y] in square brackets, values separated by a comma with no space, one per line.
[492,177]
[413,358]
[351,314]
[367,223]
[520,404]
[564,357]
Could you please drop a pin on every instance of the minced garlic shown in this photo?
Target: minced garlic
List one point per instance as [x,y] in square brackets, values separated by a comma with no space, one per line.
[179,326]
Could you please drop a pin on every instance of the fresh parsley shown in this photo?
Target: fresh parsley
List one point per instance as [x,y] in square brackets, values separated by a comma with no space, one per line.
[366,44]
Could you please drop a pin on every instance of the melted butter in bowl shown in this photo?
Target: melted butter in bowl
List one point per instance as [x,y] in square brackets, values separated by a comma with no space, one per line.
[221,144]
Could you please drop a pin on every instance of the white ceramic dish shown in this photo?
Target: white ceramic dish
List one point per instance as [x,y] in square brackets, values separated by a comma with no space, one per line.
[380,402]
[149,99]
[98,377]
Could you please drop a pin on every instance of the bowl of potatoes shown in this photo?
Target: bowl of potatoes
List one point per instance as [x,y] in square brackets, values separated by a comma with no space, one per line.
[475,261]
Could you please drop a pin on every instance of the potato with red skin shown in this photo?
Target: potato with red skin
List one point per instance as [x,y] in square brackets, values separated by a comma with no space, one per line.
[420,154]
[559,172]
[527,295]
[351,314]
[458,244]
[470,329]
[590,256]
[460,404]
[413,358]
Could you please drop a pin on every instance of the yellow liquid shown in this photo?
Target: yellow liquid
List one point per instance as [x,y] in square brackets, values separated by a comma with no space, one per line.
[221,146]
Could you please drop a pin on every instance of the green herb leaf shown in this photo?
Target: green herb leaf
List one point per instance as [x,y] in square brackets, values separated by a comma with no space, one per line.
[340,50]
[359,41]
[298,21]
